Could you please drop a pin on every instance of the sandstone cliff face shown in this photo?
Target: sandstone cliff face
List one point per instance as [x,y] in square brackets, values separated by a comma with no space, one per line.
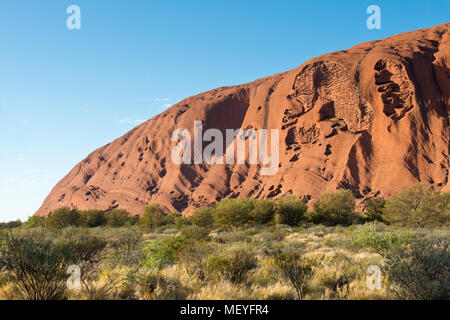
[372,119]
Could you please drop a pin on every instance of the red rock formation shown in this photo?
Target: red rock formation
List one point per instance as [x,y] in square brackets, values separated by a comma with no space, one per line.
[372,119]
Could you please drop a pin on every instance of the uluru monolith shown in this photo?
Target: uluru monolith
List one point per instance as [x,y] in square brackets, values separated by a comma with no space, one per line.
[372,119]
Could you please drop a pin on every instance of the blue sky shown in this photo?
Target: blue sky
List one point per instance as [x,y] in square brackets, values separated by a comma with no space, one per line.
[64,93]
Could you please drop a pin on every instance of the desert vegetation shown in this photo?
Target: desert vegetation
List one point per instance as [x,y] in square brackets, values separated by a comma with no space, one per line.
[236,249]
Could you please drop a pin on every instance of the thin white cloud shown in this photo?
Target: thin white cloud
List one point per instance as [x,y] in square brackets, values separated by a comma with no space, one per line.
[20,159]
[128,120]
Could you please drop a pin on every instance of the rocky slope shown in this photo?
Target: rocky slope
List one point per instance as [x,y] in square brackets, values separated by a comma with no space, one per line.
[372,119]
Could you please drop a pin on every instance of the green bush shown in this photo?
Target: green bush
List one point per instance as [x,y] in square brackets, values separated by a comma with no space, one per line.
[38,268]
[117,218]
[203,217]
[154,217]
[263,211]
[62,218]
[163,252]
[10,225]
[195,232]
[233,264]
[381,242]
[36,222]
[421,271]
[93,218]
[418,206]
[335,209]
[290,211]
[85,247]
[231,213]
[373,209]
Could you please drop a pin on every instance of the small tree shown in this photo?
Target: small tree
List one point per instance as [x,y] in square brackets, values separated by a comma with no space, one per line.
[296,270]
[263,211]
[203,217]
[10,225]
[36,221]
[93,218]
[373,208]
[62,218]
[231,213]
[290,211]
[335,208]
[117,218]
[153,218]
[418,206]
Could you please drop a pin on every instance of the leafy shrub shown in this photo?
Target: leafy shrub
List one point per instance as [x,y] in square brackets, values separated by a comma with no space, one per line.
[296,270]
[38,269]
[335,209]
[203,217]
[234,264]
[195,232]
[232,213]
[124,247]
[93,218]
[421,271]
[153,218]
[263,211]
[181,221]
[36,221]
[62,218]
[163,252]
[373,209]
[10,224]
[418,206]
[290,211]
[85,247]
[117,218]
[381,242]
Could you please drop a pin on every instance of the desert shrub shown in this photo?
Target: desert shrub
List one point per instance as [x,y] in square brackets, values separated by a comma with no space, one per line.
[193,260]
[36,222]
[62,218]
[231,213]
[233,264]
[297,271]
[290,211]
[195,232]
[335,209]
[373,209]
[97,284]
[93,218]
[263,211]
[203,217]
[231,236]
[153,218]
[163,252]
[421,271]
[10,225]
[153,286]
[38,269]
[418,206]
[117,218]
[381,242]
[181,221]
[85,247]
